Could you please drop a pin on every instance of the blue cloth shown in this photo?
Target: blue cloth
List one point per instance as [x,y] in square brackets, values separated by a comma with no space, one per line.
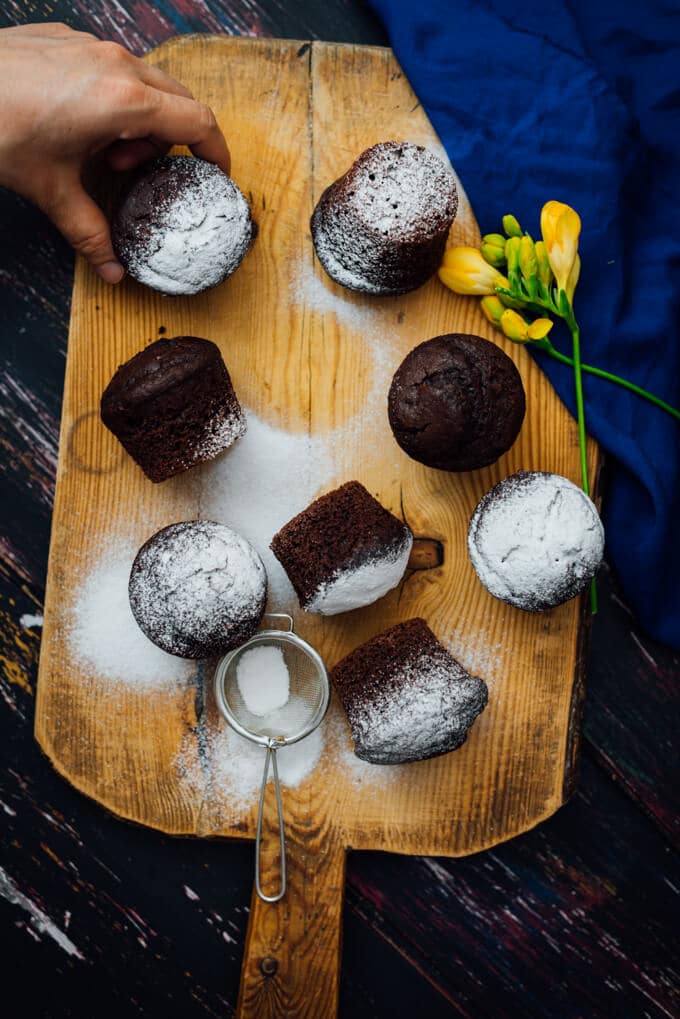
[579,101]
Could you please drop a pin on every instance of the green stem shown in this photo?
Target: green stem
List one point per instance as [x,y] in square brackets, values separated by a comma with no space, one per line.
[580,414]
[548,348]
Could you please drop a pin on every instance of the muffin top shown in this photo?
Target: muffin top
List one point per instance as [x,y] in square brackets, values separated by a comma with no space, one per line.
[182,226]
[456,403]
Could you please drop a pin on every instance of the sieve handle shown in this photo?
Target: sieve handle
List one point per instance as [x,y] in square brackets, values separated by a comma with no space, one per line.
[270,756]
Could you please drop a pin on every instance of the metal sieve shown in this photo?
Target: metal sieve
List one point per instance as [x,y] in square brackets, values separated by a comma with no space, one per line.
[306,707]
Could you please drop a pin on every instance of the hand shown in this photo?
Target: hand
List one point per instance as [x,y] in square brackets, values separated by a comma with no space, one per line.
[68,96]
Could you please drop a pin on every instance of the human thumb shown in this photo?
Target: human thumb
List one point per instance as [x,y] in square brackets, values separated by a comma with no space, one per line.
[85,227]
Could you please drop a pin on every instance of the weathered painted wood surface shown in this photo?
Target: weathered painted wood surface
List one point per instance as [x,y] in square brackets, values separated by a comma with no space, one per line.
[573,919]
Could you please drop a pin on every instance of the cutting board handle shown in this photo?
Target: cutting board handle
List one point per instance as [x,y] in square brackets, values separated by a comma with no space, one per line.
[291,965]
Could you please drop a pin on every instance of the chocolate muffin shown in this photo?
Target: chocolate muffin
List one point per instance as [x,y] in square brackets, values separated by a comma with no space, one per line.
[456,403]
[535,540]
[197,589]
[173,406]
[182,226]
[344,551]
[381,228]
[406,697]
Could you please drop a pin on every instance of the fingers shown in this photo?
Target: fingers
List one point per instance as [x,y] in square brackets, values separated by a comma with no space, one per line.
[85,227]
[129,155]
[180,121]
[156,78]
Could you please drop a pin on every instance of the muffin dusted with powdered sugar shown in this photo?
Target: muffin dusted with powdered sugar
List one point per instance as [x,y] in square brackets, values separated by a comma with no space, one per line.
[344,551]
[381,228]
[535,540]
[406,697]
[197,589]
[182,226]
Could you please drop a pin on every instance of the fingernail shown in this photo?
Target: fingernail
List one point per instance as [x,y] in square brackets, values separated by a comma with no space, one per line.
[111,272]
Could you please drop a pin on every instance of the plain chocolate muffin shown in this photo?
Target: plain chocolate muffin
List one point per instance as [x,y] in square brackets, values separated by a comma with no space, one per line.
[344,551]
[181,226]
[381,228]
[456,403]
[172,406]
[197,589]
[406,697]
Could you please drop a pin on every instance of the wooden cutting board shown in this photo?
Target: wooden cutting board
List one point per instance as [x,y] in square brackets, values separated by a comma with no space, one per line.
[296,115]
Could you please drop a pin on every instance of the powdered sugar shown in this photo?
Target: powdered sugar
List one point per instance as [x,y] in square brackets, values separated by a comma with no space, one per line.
[235,768]
[194,236]
[219,433]
[364,584]
[102,635]
[426,708]
[192,582]
[535,540]
[268,477]
[263,679]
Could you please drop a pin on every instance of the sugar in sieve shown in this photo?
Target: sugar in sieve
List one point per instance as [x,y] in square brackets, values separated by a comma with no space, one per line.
[306,707]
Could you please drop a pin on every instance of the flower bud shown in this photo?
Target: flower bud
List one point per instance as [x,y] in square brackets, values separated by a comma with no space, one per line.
[527,258]
[544,270]
[493,255]
[465,271]
[514,326]
[493,308]
[511,226]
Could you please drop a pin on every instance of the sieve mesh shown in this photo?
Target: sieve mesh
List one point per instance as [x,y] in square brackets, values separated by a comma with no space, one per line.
[308,698]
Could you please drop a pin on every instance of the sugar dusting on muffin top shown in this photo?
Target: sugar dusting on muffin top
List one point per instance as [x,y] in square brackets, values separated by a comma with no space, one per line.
[183,227]
[535,540]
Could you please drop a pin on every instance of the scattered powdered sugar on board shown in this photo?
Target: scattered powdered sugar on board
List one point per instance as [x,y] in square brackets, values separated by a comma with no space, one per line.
[370,777]
[266,479]
[236,766]
[263,679]
[102,634]
[476,654]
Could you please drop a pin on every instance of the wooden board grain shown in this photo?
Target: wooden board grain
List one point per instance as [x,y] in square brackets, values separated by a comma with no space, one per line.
[296,115]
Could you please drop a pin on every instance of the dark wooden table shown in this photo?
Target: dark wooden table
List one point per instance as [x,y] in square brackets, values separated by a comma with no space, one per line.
[100,918]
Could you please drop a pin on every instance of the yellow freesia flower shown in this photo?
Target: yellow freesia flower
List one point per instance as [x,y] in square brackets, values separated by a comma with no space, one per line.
[560,226]
[539,328]
[573,279]
[493,308]
[519,331]
[514,326]
[464,271]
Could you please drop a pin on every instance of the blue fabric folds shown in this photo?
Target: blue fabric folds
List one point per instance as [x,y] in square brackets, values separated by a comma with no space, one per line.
[579,101]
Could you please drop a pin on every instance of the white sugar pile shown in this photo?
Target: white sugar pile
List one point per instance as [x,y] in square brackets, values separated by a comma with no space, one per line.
[195,236]
[231,784]
[235,767]
[263,679]
[265,480]
[102,634]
